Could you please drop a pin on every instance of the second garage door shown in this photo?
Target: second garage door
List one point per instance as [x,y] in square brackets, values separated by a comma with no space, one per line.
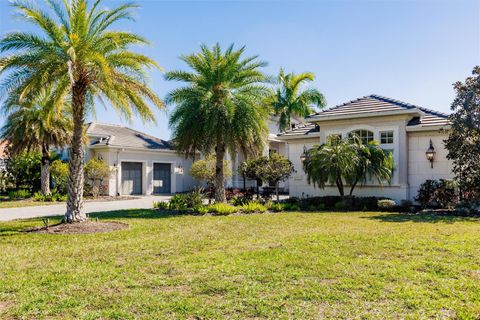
[131,178]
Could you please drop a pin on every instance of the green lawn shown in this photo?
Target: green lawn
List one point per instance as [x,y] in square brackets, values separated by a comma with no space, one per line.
[24,203]
[290,265]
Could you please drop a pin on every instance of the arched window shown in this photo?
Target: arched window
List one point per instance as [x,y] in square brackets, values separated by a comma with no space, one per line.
[364,135]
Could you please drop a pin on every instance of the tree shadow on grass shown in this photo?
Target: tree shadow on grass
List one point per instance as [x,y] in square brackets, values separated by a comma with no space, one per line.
[135,214]
[422,217]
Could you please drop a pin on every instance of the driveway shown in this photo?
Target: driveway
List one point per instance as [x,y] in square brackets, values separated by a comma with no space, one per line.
[89,206]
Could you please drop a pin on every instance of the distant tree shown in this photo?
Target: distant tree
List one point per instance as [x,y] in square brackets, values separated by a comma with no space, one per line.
[36,124]
[373,164]
[220,108]
[290,99]
[204,169]
[96,171]
[255,170]
[74,50]
[463,142]
[278,169]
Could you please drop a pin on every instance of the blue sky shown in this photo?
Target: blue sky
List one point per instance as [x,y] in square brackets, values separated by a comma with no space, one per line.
[407,50]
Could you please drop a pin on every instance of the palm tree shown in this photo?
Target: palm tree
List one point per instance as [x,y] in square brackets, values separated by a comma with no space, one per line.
[36,126]
[220,107]
[330,163]
[373,164]
[290,100]
[78,54]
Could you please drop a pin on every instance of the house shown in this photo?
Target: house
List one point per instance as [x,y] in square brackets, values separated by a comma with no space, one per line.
[403,129]
[141,164]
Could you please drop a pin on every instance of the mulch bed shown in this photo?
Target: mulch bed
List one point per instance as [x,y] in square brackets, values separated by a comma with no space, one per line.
[80,228]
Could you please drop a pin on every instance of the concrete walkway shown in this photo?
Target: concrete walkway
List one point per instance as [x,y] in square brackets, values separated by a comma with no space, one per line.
[89,206]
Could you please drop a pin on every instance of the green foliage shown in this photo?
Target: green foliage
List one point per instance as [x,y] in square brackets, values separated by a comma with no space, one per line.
[277,207]
[291,207]
[222,209]
[386,204]
[200,209]
[463,143]
[289,99]
[204,169]
[347,160]
[340,205]
[184,201]
[253,207]
[220,107]
[59,173]
[96,171]
[23,170]
[162,205]
[254,169]
[437,194]
[19,194]
[51,197]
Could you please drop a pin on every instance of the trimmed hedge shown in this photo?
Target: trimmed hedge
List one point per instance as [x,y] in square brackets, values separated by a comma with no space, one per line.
[336,203]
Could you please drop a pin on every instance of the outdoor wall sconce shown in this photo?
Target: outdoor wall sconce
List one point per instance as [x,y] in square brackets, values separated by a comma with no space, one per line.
[430,153]
[304,155]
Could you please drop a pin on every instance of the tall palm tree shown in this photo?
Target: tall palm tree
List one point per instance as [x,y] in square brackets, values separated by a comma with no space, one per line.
[331,163]
[220,107]
[78,54]
[36,126]
[290,99]
[373,164]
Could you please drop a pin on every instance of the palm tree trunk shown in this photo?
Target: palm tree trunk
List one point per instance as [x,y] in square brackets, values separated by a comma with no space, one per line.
[219,174]
[75,180]
[353,187]
[276,191]
[340,186]
[45,171]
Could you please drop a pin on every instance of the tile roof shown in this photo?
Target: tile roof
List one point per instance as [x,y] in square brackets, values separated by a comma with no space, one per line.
[370,106]
[376,104]
[118,136]
[303,129]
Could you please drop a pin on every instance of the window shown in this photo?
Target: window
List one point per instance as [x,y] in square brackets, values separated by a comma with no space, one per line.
[386,137]
[364,135]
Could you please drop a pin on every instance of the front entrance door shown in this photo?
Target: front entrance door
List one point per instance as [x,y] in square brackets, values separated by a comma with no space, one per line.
[131,178]
[161,177]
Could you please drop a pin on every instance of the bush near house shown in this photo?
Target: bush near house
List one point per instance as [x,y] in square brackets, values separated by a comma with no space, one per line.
[435,194]
[95,171]
[59,174]
[337,203]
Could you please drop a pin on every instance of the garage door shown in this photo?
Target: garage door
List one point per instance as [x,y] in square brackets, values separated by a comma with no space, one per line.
[161,177]
[131,178]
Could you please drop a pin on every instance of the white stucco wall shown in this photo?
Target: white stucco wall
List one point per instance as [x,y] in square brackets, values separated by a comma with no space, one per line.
[180,182]
[419,168]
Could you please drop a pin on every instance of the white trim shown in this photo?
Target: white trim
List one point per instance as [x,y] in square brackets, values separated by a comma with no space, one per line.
[319,118]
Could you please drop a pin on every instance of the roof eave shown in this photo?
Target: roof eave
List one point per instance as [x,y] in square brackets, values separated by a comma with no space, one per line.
[300,136]
[314,119]
[421,127]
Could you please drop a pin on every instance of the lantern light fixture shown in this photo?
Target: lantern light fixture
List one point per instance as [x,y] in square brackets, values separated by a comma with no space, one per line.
[430,153]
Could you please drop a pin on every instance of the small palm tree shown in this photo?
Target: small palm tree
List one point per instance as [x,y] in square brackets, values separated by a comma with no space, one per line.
[78,54]
[331,163]
[36,126]
[220,107]
[290,100]
[373,164]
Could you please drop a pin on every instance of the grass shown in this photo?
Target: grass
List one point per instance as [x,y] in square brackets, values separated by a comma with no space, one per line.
[24,203]
[288,265]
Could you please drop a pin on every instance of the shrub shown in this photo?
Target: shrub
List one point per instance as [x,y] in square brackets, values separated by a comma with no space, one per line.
[277,207]
[59,172]
[437,193]
[19,194]
[178,202]
[386,204]
[222,209]
[468,207]
[200,209]
[252,207]
[406,205]
[52,197]
[291,207]
[340,205]
[184,201]
[95,172]
[240,200]
[162,205]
